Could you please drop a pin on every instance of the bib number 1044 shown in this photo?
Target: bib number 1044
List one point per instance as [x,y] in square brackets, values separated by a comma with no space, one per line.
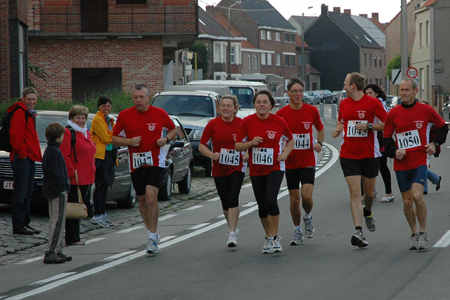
[262,156]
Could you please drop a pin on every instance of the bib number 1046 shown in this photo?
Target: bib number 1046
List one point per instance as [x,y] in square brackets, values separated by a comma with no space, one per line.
[262,156]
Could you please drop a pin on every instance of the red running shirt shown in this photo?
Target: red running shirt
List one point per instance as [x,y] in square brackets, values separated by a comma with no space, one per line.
[274,132]
[222,136]
[149,125]
[410,128]
[360,144]
[301,123]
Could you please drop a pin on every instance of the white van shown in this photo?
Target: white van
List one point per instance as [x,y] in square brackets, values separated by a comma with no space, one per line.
[244,90]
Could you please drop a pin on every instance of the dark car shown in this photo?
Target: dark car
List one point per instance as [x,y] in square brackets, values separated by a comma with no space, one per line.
[121,191]
[315,95]
[307,98]
[179,164]
[325,96]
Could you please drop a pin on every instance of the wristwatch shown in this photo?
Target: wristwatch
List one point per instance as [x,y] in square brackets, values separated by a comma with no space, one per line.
[168,141]
[436,145]
[369,125]
[320,143]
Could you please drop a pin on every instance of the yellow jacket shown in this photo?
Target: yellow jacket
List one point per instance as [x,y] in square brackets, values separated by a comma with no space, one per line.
[100,134]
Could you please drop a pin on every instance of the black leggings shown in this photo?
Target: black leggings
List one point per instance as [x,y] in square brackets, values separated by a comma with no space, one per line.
[229,188]
[101,189]
[266,190]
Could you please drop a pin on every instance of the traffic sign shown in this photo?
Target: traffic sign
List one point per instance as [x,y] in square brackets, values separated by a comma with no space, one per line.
[396,75]
[412,72]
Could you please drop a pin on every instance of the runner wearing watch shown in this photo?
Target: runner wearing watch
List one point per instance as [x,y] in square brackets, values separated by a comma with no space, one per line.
[302,118]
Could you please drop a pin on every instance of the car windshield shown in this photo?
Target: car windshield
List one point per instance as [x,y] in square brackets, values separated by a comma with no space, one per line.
[244,95]
[42,121]
[180,105]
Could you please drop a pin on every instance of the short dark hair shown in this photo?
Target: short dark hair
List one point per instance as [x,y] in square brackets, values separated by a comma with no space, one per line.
[53,131]
[140,86]
[357,79]
[29,90]
[294,80]
[103,100]
[377,90]
[267,93]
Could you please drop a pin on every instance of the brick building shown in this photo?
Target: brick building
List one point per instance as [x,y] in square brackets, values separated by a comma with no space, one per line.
[91,46]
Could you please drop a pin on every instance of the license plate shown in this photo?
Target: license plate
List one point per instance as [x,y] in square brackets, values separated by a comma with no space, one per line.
[8,185]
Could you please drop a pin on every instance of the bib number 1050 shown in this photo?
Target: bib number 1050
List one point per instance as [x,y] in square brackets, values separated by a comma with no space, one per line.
[262,156]
[409,139]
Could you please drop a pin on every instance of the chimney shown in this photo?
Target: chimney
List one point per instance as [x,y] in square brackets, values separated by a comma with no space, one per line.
[375,16]
[324,10]
[348,11]
[337,9]
[363,15]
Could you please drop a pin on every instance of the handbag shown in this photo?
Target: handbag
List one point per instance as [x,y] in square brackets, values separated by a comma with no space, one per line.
[76,210]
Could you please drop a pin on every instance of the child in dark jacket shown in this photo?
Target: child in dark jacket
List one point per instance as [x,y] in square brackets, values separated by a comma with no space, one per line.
[55,188]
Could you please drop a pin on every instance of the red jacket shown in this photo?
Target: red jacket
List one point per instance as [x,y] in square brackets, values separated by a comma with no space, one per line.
[85,149]
[23,136]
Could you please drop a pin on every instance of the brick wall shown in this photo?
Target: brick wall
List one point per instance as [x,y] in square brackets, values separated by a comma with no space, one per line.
[4,51]
[141,61]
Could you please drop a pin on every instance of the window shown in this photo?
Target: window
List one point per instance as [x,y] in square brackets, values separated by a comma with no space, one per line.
[375,61]
[292,38]
[376,81]
[370,60]
[263,34]
[286,37]
[269,35]
[263,59]
[289,60]
[307,59]
[128,2]
[300,59]
[420,35]
[427,33]
[269,59]
[249,62]
[277,36]
[256,62]
[365,59]
[278,57]
[232,54]
[379,60]
[217,53]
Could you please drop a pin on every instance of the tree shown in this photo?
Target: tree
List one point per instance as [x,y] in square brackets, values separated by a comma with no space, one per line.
[395,63]
[38,73]
[202,55]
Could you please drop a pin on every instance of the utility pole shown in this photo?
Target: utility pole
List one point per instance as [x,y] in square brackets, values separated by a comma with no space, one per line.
[404,26]
[229,39]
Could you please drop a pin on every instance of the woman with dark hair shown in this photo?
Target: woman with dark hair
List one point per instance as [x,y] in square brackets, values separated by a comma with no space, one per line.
[375,91]
[105,159]
[265,135]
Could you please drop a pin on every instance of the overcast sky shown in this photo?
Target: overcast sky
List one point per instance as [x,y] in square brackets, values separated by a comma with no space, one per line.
[387,9]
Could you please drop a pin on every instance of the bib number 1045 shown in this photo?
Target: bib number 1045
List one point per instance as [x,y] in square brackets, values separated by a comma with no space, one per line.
[262,156]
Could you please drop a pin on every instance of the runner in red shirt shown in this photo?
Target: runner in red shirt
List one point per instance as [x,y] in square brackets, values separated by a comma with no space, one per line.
[359,116]
[410,124]
[300,165]
[264,135]
[143,126]
[228,167]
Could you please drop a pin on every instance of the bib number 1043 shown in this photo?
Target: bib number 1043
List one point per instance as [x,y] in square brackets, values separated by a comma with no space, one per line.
[353,132]
[262,156]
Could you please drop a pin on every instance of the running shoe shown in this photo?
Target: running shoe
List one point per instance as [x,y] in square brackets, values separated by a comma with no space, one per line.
[310,231]
[370,222]
[152,245]
[358,239]
[413,244]
[298,237]
[438,185]
[268,246]
[423,242]
[232,240]
[99,220]
[107,220]
[236,231]
[277,245]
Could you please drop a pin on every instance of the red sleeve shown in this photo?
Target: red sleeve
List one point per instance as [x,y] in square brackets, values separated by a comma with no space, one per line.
[388,130]
[17,132]
[207,134]
[379,111]
[242,133]
[317,121]
[435,118]
[168,123]
[66,149]
[118,127]
[286,131]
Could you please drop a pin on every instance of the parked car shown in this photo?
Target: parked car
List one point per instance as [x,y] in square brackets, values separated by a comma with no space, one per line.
[179,164]
[341,97]
[194,109]
[315,97]
[389,99]
[394,102]
[121,191]
[307,98]
[336,95]
[325,96]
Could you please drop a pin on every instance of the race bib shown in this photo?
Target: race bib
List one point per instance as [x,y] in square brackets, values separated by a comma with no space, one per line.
[353,132]
[302,141]
[229,157]
[140,159]
[262,156]
[409,139]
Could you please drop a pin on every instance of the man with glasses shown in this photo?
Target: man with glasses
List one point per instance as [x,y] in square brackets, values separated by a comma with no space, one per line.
[301,162]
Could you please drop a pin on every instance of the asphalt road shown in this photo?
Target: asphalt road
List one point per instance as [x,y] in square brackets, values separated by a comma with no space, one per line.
[194,262]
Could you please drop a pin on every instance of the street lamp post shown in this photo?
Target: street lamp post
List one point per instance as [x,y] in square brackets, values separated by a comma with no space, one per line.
[303,48]
[229,38]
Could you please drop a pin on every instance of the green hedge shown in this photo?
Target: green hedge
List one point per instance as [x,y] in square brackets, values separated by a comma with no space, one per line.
[120,100]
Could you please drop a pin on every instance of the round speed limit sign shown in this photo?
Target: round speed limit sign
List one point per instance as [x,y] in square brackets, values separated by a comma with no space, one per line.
[412,72]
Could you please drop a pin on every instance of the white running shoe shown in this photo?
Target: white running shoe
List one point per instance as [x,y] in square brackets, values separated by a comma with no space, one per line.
[268,246]
[298,237]
[310,231]
[152,245]
[277,245]
[232,240]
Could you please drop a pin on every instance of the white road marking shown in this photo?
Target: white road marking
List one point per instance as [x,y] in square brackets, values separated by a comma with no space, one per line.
[113,257]
[93,240]
[131,229]
[26,261]
[166,238]
[166,217]
[125,259]
[193,207]
[53,278]
[444,241]
[249,204]
[221,216]
[213,199]
[198,226]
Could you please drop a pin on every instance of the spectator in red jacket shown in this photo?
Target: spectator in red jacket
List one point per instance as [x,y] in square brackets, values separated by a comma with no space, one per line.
[79,157]
[26,151]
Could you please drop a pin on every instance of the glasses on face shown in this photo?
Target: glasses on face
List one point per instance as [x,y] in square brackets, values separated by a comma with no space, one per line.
[296,91]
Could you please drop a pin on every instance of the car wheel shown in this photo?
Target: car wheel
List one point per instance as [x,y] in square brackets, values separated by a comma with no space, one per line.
[184,186]
[129,201]
[165,191]
[208,168]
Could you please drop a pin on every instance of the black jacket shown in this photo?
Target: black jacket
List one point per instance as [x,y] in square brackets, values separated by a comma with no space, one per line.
[56,180]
